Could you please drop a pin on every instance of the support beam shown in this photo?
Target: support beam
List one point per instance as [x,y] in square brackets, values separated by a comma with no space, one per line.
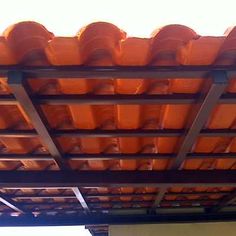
[176,194]
[8,100]
[63,208]
[80,198]
[63,99]
[129,72]
[10,203]
[216,90]
[120,203]
[70,179]
[115,156]
[141,133]
[116,209]
[159,197]
[23,157]
[102,219]
[12,133]
[118,133]
[224,202]
[139,99]
[113,195]
[170,202]
[20,89]
[211,99]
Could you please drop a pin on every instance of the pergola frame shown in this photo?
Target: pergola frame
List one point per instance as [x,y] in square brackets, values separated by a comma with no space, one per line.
[18,77]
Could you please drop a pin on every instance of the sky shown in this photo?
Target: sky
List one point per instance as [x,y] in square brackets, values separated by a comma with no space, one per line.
[137,17]
[39,231]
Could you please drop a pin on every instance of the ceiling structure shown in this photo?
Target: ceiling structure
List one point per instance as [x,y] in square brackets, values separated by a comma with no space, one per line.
[101,129]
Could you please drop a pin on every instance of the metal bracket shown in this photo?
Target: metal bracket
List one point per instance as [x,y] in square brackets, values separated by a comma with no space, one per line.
[220,77]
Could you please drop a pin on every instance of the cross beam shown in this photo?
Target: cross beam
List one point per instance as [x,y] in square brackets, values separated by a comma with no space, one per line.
[124,72]
[139,99]
[101,219]
[70,179]
[115,156]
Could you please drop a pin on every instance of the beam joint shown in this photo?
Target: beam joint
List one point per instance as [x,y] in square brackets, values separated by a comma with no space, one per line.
[212,97]
[20,88]
[217,88]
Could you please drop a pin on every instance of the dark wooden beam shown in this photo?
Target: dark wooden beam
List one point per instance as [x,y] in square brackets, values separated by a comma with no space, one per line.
[65,99]
[118,133]
[64,209]
[13,133]
[136,208]
[176,194]
[227,98]
[139,99]
[22,157]
[21,91]
[141,133]
[102,219]
[70,179]
[41,196]
[117,204]
[115,195]
[228,155]
[170,202]
[91,72]
[117,99]
[115,156]
[8,100]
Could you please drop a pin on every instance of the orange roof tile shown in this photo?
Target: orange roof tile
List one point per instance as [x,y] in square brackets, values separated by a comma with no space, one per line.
[103,44]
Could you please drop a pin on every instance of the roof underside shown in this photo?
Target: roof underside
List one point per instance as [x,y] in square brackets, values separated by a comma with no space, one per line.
[113,126]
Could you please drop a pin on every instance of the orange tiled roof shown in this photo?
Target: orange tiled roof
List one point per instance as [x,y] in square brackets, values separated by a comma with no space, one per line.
[103,44]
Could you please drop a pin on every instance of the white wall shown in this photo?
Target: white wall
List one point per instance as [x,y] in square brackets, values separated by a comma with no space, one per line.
[195,229]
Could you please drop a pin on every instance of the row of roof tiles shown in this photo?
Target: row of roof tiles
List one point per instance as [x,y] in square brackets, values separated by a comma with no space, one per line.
[105,44]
